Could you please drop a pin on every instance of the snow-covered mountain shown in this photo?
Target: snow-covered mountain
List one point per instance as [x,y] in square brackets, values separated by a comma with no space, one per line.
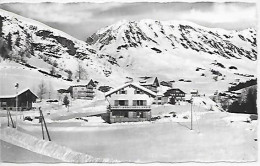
[45,50]
[188,55]
[180,50]
[162,36]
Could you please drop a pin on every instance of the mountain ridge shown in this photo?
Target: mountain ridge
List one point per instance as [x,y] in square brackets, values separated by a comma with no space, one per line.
[175,32]
[133,49]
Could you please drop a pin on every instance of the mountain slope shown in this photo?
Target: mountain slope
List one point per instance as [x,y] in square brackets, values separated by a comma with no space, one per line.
[51,53]
[188,55]
[177,34]
[180,50]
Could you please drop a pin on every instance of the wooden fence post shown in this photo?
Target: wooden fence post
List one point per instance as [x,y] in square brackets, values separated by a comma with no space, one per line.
[11,119]
[7,117]
[40,119]
[45,124]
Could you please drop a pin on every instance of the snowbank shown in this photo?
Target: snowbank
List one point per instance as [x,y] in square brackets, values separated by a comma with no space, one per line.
[46,148]
[235,117]
[207,103]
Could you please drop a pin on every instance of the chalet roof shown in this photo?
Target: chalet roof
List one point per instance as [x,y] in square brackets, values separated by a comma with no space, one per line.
[147,80]
[13,95]
[169,91]
[127,84]
[83,85]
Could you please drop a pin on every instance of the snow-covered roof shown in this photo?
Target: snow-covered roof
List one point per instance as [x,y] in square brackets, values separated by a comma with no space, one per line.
[81,84]
[14,94]
[161,90]
[126,85]
[194,91]
[146,80]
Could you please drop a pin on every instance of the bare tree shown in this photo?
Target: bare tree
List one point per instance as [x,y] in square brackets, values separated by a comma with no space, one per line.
[42,90]
[66,101]
[81,72]
[69,74]
[53,70]
[50,91]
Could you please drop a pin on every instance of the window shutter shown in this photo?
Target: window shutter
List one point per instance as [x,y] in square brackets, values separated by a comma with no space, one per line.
[134,102]
[116,102]
[126,102]
[134,115]
[125,91]
[144,102]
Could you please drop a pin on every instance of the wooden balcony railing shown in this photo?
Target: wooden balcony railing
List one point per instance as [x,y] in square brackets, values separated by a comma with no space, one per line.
[131,107]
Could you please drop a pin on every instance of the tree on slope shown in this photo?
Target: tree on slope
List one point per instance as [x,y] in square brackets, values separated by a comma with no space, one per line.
[9,41]
[42,90]
[251,101]
[18,39]
[247,105]
[66,101]
[81,72]
[1,25]
[4,51]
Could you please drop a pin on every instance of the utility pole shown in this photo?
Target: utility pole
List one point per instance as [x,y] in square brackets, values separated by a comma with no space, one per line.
[7,117]
[43,120]
[191,113]
[16,104]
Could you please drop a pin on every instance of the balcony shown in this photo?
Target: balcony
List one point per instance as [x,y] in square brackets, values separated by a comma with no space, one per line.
[130,107]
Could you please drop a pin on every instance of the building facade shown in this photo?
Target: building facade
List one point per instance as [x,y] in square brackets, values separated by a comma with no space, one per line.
[24,99]
[130,103]
[150,83]
[175,96]
[82,91]
[194,93]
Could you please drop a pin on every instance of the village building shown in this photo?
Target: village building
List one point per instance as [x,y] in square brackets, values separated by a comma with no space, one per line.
[194,93]
[160,99]
[24,100]
[150,83]
[175,96]
[83,91]
[130,103]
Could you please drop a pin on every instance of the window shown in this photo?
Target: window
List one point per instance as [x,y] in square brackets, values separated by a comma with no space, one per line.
[120,113]
[3,104]
[137,91]
[122,92]
[121,102]
[159,98]
[139,102]
[140,114]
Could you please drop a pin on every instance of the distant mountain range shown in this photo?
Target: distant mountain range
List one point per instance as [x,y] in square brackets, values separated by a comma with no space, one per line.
[174,51]
[163,36]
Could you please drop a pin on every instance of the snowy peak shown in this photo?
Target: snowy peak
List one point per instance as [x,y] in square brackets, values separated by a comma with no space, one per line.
[176,34]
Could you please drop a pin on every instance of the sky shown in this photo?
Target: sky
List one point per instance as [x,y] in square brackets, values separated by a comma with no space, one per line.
[81,20]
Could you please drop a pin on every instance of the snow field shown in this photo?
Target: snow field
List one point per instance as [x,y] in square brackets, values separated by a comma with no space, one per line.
[48,148]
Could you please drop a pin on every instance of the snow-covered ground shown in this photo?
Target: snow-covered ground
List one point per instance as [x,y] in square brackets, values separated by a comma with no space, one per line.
[216,136]
[22,155]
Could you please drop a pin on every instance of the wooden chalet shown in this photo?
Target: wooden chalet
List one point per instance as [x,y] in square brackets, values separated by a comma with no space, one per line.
[25,99]
[175,95]
[83,91]
[194,93]
[150,83]
[130,103]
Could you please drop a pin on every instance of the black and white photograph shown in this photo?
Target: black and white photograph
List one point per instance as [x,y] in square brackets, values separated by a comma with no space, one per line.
[137,82]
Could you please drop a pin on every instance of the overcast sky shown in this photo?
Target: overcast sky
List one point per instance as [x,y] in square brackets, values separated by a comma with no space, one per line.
[83,19]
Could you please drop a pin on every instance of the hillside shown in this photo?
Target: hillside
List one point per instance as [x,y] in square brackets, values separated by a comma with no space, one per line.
[188,55]
[44,53]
